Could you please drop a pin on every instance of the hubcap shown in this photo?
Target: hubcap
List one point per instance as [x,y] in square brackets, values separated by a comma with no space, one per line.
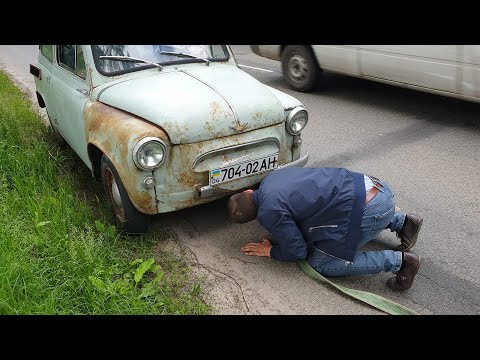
[297,68]
[114,195]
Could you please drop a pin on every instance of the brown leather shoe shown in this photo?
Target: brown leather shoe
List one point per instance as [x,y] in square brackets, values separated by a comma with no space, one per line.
[404,277]
[409,232]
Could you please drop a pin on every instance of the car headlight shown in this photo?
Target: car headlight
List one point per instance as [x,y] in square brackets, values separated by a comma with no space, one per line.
[149,153]
[296,120]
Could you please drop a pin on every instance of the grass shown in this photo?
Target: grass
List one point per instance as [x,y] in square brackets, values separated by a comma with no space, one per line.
[59,253]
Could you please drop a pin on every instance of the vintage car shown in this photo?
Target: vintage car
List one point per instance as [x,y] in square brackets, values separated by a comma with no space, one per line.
[166,127]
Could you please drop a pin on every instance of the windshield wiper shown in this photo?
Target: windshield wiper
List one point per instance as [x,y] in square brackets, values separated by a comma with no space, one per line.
[129,58]
[185,55]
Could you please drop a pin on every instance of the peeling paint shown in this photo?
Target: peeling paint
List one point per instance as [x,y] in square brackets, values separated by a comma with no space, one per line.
[188,166]
[116,133]
[182,104]
[90,71]
[216,109]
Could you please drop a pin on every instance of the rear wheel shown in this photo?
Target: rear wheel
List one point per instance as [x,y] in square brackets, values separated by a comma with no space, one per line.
[300,68]
[128,218]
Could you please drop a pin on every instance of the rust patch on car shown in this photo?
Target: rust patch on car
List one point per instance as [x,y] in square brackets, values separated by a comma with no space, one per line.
[216,109]
[116,133]
[90,70]
[257,115]
[174,127]
[209,127]
[191,178]
[181,160]
[239,127]
[217,112]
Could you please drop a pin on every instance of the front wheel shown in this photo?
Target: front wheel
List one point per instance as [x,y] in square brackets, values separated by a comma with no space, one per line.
[300,68]
[128,218]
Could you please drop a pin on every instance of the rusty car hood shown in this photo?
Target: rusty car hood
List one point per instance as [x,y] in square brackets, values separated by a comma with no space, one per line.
[197,102]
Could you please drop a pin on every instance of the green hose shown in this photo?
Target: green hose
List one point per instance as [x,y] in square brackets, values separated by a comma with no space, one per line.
[377,301]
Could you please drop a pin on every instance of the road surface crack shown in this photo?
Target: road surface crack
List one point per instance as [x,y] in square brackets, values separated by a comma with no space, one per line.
[213,271]
[245,262]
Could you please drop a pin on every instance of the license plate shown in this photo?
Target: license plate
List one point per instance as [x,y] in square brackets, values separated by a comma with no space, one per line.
[229,173]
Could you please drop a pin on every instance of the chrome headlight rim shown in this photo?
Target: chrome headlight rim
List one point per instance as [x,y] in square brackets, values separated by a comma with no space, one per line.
[291,115]
[138,147]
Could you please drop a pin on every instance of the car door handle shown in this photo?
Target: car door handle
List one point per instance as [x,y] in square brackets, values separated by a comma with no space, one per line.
[83,91]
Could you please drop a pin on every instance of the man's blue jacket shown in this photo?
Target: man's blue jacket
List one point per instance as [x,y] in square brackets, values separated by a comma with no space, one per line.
[318,206]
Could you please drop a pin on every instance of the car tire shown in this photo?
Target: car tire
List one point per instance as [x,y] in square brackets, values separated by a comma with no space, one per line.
[300,68]
[127,217]
[60,140]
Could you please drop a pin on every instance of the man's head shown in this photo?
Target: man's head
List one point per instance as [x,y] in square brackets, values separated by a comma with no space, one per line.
[241,207]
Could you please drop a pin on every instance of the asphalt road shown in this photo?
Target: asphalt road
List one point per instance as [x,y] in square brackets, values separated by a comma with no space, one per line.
[427,147]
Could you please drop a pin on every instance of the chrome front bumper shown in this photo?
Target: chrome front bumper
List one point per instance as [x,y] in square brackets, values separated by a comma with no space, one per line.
[207,191]
[297,163]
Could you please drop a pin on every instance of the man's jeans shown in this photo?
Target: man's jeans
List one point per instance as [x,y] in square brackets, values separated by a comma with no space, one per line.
[379,214]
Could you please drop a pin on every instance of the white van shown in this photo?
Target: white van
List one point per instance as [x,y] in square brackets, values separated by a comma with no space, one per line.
[449,70]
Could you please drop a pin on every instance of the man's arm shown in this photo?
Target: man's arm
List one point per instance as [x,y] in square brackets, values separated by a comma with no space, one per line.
[291,244]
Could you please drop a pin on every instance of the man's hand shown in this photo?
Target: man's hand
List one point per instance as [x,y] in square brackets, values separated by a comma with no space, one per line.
[257,249]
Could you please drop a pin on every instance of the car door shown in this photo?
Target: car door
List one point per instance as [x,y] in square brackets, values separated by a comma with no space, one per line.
[43,83]
[71,90]
[341,58]
[428,66]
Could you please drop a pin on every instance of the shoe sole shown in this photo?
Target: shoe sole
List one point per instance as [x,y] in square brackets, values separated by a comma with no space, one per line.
[414,240]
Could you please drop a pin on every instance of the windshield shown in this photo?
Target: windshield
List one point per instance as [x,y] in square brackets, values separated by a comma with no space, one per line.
[153,53]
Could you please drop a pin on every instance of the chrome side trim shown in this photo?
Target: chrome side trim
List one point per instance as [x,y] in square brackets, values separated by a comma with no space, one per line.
[234,147]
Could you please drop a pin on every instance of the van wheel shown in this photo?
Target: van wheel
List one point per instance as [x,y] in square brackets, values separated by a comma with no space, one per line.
[60,140]
[300,68]
[127,217]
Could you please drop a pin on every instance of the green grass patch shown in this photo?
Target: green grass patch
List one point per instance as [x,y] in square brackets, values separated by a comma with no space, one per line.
[59,253]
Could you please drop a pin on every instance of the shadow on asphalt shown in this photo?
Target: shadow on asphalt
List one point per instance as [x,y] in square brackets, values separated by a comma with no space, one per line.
[433,108]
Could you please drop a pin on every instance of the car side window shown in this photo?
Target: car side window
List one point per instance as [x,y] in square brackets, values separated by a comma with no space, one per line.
[66,57]
[71,58]
[47,51]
